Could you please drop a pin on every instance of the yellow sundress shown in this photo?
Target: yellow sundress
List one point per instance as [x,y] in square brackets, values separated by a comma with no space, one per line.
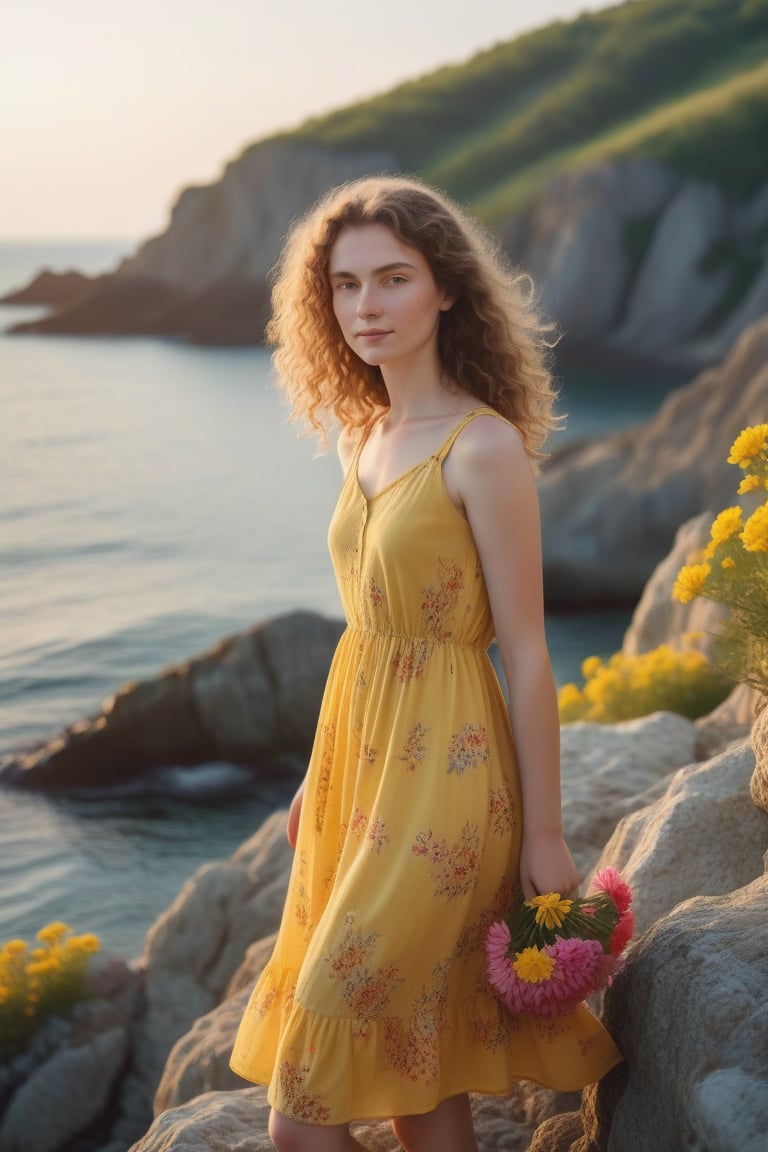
[375,1002]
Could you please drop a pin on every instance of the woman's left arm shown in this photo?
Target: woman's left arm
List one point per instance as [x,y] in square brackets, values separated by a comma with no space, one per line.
[496,483]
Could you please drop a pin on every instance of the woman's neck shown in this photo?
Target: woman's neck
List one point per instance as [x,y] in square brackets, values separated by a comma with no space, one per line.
[419,395]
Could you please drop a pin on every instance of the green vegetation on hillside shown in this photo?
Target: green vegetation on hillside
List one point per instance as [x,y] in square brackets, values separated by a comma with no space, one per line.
[687,84]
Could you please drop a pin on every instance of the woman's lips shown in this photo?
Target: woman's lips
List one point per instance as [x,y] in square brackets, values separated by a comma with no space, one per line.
[373,334]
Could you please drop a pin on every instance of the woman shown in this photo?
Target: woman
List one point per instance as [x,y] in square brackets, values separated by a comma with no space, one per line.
[427,806]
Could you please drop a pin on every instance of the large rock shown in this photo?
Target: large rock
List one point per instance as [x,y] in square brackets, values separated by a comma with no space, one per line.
[672,295]
[704,836]
[699,1042]
[217,1121]
[658,617]
[611,506]
[684,1011]
[574,240]
[225,312]
[609,770]
[195,948]
[252,699]
[67,1080]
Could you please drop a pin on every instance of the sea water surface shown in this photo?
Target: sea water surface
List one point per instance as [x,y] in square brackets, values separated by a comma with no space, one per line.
[154,499]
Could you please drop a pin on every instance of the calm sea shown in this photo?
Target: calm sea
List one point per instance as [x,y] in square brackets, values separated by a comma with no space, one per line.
[153,500]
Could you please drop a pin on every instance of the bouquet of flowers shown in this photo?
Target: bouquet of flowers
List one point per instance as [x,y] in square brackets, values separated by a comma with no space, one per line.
[552,953]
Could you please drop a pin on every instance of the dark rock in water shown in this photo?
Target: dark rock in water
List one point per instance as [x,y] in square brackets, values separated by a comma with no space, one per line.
[253,700]
[55,289]
[112,306]
[229,312]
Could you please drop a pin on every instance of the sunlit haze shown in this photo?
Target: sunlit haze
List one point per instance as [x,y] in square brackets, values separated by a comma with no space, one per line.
[108,110]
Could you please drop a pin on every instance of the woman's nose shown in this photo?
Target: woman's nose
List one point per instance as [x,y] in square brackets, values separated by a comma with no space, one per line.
[367,301]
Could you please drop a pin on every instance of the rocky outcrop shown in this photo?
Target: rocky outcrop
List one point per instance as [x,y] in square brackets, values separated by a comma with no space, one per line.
[226,312]
[54,289]
[632,260]
[624,765]
[658,617]
[68,1081]
[708,1086]
[573,241]
[195,948]
[219,1120]
[692,858]
[610,507]
[703,837]
[252,699]
[233,229]
[631,257]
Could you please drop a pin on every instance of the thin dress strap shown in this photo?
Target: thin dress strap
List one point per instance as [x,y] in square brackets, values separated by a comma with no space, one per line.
[448,444]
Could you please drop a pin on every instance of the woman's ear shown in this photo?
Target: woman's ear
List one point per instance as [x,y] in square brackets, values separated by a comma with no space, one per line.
[447,303]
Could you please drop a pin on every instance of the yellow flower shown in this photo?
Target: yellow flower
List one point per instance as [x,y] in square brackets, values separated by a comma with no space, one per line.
[726,524]
[755,534]
[748,445]
[550,909]
[590,666]
[15,948]
[52,933]
[690,582]
[729,562]
[533,965]
[749,484]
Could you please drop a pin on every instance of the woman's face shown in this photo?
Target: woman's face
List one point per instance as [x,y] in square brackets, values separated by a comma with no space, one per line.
[384,295]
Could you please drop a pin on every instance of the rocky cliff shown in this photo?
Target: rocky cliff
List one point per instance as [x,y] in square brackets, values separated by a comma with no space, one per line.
[633,260]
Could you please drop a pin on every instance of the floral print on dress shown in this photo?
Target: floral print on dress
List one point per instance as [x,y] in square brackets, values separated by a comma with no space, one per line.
[455,867]
[468,748]
[367,991]
[413,1049]
[440,603]
[502,811]
[378,835]
[375,592]
[324,778]
[301,908]
[409,660]
[306,1107]
[414,749]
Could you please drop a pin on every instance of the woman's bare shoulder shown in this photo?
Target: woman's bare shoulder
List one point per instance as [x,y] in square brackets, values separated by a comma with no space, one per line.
[490,438]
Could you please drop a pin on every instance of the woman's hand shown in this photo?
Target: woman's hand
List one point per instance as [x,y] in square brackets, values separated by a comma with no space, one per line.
[294,812]
[546,865]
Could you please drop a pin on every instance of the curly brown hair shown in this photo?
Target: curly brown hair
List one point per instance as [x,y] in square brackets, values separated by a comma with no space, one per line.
[491,342]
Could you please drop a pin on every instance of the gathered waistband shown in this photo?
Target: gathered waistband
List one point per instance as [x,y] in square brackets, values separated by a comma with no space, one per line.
[426,641]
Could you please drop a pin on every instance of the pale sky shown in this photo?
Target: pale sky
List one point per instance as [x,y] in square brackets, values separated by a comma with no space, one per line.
[108,108]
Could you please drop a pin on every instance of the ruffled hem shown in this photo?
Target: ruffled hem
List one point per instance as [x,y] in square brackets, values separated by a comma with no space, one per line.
[333,1070]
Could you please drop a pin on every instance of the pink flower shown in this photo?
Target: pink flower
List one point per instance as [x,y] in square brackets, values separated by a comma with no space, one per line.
[622,933]
[608,880]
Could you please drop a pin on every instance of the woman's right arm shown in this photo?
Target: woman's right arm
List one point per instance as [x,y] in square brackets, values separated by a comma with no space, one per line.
[294,812]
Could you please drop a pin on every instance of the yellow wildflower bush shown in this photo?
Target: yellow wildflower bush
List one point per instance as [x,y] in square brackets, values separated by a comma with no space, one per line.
[38,982]
[735,569]
[624,687]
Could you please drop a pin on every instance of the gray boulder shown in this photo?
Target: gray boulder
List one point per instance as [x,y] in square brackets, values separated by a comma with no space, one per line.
[608,770]
[251,699]
[611,507]
[703,836]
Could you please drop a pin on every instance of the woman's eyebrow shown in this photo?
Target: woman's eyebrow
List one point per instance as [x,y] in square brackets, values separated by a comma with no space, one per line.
[380,271]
